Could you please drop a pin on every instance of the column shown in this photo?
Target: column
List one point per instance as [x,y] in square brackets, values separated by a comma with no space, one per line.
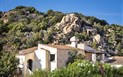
[103,58]
[94,57]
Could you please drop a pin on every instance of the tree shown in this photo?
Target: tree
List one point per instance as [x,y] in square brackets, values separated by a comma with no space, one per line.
[8,64]
[19,7]
[31,9]
[122,51]
[118,48]
[94,45]
[50,12]
[85,35]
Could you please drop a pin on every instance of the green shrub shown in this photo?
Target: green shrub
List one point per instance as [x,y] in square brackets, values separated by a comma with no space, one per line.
[39,73]
[82,68]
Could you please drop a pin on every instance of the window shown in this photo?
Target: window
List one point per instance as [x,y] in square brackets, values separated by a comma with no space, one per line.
[52,57]
[98,56]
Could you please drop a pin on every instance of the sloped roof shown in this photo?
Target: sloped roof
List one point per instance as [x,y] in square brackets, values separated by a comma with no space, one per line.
[89,49]
[94,51]
[117,60]
[62,47]
[28,50]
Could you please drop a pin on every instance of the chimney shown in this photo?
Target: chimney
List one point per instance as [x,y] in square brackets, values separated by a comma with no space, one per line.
[74,41]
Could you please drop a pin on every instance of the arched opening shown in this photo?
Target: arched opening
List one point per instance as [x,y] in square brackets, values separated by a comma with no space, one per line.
[29,64]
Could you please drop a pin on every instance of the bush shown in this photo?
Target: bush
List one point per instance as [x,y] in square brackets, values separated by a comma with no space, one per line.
[83,68]
[8,64]
[39,73]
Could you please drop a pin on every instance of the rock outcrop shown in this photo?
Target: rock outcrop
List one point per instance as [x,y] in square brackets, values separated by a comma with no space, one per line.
[25,27]
[97,38]
[69,23]
[92,31]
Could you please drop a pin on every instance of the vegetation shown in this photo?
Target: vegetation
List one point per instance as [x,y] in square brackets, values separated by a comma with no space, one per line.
[40,73]
[8,64]
[25,27]
[82,68]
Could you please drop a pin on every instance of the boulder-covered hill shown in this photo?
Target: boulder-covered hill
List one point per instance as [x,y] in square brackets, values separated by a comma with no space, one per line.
[25,27]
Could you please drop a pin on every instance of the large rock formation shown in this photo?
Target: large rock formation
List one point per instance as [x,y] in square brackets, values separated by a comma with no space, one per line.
[67,27]
[7,14]
[97,38]
[25,27]
[92,31]
[69,23]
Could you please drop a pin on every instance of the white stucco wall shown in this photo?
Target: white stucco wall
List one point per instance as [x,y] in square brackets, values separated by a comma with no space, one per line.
[40,56]
[54,63]
[94,57]
[21,58]
[21,62]
[40,59]
[53,66]
[84,47]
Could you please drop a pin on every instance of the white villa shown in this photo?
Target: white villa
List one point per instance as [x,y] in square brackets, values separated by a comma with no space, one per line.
[50,57]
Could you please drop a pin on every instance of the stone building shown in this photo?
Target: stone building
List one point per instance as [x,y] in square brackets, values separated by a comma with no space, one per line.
[51,57]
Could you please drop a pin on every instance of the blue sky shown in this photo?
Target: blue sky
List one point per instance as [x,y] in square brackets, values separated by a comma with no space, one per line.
[109,10]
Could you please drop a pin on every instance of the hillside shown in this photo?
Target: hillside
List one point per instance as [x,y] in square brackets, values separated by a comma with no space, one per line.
[25,27]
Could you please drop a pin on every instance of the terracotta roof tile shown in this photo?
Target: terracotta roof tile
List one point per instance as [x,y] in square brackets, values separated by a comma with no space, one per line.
[62,47]
[28,50]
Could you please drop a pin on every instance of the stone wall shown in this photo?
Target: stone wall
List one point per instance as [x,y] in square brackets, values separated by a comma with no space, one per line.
[88,56]
[62,58]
